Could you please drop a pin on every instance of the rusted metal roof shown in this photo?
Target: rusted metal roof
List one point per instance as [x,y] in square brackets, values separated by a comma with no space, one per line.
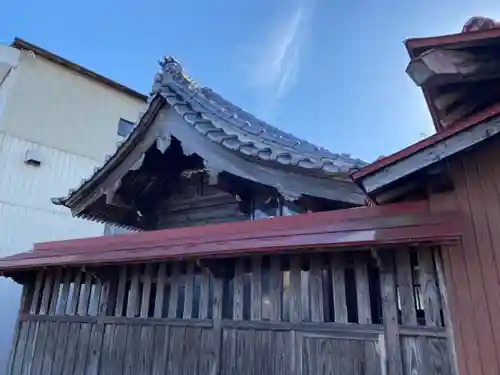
[409,223]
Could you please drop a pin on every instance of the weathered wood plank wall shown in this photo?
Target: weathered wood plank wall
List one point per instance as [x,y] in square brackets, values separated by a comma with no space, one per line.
[195,203]
[319,313]
[472,268]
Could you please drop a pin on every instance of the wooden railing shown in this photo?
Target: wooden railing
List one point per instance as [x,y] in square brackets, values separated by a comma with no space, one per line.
[382,310]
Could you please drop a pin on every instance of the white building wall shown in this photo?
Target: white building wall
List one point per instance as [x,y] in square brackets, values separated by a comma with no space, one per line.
[26,213]
[71,121]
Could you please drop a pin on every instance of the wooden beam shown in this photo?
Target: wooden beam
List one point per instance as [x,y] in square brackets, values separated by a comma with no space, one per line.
[442,66]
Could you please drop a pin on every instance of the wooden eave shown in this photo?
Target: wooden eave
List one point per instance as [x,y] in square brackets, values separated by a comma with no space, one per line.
[410,223]
[418,46]
[432,150]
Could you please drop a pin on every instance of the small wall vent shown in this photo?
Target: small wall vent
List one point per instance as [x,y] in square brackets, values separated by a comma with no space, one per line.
[33,157]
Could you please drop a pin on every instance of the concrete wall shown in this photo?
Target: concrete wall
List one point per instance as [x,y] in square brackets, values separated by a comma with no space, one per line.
[71,122]
[56,107]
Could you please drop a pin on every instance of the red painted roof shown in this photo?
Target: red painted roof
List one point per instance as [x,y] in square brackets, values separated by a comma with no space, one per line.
[452,39]
[429,141]
[355,227]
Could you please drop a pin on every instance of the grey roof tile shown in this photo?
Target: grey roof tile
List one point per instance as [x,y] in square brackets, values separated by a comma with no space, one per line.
[234,128]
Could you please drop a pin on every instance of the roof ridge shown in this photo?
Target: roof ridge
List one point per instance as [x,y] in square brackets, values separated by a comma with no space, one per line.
[174,77]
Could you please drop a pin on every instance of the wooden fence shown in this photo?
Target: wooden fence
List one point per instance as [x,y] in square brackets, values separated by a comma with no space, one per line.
[312,313]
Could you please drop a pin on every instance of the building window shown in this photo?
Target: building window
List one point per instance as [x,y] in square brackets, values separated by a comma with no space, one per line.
[125,127]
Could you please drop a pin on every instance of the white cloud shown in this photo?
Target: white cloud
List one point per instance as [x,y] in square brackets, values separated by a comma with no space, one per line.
[276,62]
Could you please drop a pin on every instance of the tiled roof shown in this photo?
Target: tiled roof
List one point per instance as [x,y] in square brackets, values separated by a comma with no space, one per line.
[233,128]
[238,130]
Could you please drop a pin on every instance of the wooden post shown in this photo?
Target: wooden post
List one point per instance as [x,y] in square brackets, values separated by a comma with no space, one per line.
[27,294]
[446,311]
[390,314]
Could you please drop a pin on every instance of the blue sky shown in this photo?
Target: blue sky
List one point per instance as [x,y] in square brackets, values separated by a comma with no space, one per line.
[329,71]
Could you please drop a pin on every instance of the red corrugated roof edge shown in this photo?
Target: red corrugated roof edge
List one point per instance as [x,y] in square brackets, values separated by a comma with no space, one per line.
[429,141]
[414,44]
[353,228]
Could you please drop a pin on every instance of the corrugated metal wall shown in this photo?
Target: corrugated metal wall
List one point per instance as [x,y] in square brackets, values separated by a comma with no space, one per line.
[473,269]
[27,215]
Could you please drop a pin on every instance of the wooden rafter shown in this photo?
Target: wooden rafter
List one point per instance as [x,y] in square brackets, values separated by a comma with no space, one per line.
[443,66]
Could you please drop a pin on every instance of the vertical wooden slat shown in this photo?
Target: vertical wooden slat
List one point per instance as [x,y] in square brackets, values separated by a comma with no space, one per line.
[238,289]
[276,288]
[316,289]
[62,338]
[131,362]
[188,291]
[160,350]
[256,288]
[146,350]
[428,285]
[119,348]
[108,294]
[83,304]
[50,346]
[18,352]
[446,311]
[177,337]
[390,313]
[96,297]
[305,295]
[106,366]
[47,291]
[146,290]
[133,297]
[63,305]
[362,289]
[94,352]
[37,293]
[191,351]
[174,290]
[82,349]
[121,292]
[160,290]
[71,347]
[55,291]
[295,300]
[405,287]
[77,287]
[29,354]
[209,346]
[338,287]
[41,340]
[17,342]
[204,294]
[218,297]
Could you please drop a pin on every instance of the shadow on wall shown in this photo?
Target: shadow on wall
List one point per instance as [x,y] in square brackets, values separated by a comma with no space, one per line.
[10,297]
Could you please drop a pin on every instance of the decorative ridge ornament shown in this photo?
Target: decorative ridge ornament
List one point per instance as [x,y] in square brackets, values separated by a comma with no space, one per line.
[477,23]
[173,68]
